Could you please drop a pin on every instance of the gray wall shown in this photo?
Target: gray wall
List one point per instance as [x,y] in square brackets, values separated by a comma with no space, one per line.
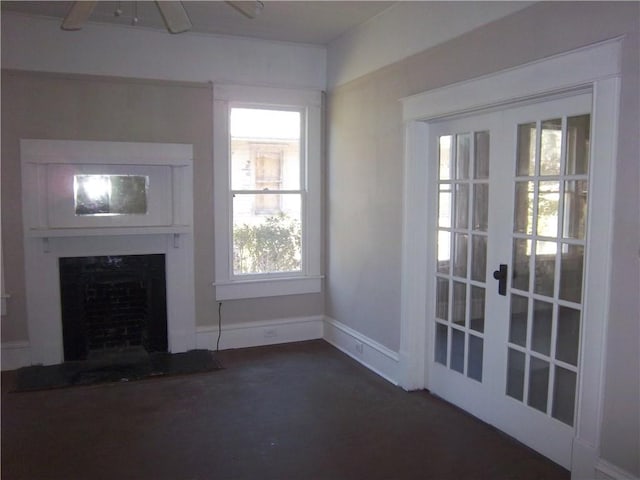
[365,145]
[77,107]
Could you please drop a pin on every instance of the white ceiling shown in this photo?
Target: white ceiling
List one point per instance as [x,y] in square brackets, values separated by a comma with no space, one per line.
[315,22]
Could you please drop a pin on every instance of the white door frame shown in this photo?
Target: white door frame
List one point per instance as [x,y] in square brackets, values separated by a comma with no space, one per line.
[596,68]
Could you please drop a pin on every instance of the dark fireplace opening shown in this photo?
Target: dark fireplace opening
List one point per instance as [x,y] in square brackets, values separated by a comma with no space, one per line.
[113,304]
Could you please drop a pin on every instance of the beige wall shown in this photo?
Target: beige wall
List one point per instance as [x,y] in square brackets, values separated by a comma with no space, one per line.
[76,107]
[364,184]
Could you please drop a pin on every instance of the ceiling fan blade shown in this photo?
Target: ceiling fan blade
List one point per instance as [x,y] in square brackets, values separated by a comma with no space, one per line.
[250,9]
[174,15]
[78,15]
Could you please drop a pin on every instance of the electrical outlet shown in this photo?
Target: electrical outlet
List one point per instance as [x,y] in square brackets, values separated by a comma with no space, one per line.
[359,347]
[270,333]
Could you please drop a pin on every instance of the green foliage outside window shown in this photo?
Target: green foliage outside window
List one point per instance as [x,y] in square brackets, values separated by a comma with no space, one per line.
[268,247]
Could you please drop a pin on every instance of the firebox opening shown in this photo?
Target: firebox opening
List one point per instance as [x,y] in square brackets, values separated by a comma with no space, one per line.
[113,303]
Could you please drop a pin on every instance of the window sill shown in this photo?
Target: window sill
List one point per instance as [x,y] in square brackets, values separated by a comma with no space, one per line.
[268,287]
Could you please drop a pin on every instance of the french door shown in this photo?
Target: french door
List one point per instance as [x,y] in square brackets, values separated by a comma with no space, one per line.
[508,268]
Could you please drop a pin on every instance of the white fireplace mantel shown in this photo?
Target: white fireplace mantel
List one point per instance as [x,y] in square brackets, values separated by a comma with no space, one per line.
[52,230]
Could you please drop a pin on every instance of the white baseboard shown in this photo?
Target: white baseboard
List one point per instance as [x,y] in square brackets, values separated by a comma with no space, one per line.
[15,355]
[265,332]
[371,354]
[608,471]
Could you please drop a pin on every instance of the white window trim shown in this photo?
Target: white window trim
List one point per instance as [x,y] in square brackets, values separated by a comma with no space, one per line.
[228,286]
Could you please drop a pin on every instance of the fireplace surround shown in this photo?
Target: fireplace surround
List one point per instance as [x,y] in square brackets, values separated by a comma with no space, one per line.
[53,230]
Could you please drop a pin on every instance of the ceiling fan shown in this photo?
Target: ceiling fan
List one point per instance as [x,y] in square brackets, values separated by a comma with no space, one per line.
[173,13]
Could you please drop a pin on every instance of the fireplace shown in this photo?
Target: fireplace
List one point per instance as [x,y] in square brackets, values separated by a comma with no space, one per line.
[111,303]
[83,248]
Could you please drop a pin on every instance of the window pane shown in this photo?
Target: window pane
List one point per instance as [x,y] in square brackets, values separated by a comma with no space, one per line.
[444,251]
[267,233]
[265,149]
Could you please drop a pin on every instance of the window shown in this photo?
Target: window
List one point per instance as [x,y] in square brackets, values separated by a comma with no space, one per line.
[267,191]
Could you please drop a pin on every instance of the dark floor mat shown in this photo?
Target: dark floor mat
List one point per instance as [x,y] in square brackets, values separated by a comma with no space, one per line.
[126,368]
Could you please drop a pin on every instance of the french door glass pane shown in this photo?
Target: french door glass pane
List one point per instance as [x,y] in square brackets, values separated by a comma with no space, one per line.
[523,214]
[571,271]
[526,154]
[568,335]
[545,267]
[476,320]
[444,153]
[478,257]
[520,264]
[578,135]
[564,395]
[518,320]
[462,206]
[444,251]
[457,350]
[463,152]
[442,298]
[480,206]
[538,383]
[441,344]
[515,374]
[541,329]
[474,364]
[460,248]
[481,159]
[444,206]
[548,197]
[550,148]
[575,209]
[459,303]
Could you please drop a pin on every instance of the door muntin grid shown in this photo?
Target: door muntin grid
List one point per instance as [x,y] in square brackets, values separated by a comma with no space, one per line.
[548,245]
[462,237]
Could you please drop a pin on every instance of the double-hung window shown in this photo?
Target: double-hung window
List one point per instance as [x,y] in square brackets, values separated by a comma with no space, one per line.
[267,180]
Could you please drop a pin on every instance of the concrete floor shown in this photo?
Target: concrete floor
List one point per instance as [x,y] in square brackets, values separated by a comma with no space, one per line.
[300,411]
